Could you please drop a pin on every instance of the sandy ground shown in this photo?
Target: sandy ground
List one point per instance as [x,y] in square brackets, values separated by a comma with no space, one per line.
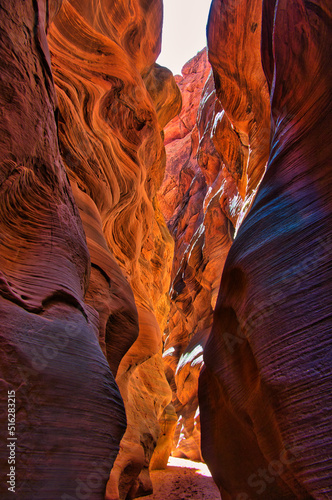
[183,480]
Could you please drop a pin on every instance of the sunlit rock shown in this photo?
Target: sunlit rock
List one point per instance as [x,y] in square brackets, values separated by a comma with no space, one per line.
[113,104]
[201,200]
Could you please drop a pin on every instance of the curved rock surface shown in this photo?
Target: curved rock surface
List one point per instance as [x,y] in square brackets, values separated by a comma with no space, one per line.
[265,391]
[216,159]
[241,87]
[181,197]
[113,104]
[201,202]
[69,413]
[180,140]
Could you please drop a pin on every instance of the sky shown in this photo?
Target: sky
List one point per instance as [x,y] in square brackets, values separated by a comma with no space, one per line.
[184,32]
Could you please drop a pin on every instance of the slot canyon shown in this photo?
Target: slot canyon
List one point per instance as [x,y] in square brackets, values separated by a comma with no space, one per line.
[165,253]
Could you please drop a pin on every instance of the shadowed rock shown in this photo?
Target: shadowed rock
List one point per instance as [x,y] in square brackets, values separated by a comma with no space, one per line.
[207,190]
[69,413]
[265,391]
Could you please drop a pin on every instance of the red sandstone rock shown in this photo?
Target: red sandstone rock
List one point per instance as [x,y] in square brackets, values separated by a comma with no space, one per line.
[201,202]
[242,90]
[109,293]
[265,391]
[212,172]
[181,165]
[113,104]
[69,413]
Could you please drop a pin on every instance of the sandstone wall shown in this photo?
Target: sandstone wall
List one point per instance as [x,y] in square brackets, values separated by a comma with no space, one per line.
[69,413]
[65,284]
[113,104]
[265,391]
[181,201]
[216,157]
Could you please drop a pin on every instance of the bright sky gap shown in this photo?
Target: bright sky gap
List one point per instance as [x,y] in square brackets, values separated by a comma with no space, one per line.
[184,32]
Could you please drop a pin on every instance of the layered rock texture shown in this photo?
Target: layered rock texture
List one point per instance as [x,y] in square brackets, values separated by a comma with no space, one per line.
[181,199]
[89,260]
[86,258]
[265,391]
[214,165]
[113,103]
[69,413]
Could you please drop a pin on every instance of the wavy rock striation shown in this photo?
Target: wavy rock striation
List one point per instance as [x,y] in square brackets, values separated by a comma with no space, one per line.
[69,413]
[265,391]
[181,198]
[194,198]
[216,158]
[243,135]
[113,104]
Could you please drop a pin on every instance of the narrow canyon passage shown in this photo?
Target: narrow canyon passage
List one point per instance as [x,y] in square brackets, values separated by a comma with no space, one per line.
[165,253]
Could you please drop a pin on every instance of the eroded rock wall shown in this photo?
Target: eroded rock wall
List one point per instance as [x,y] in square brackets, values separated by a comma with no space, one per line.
[179,204]
[69,413]
[113,104]
[265,391]
[216,158]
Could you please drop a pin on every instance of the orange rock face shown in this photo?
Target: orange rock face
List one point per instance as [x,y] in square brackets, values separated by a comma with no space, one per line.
[202,196]
[180,197]
[89,259]
[242,91]
[180,144]
[113,104]
[265,390]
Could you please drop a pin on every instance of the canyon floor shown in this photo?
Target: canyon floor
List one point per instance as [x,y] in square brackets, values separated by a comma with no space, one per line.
[183,480]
